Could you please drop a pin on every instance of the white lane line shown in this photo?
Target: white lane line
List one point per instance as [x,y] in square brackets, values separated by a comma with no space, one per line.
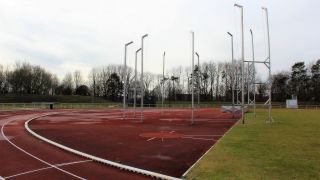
[41,169]
[151,138]
[205,139]
[203,135]
[74,162]
[98,159]
[45,162]
[215,144]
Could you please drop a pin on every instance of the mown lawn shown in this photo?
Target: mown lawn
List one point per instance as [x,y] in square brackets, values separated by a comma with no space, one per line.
[288,148]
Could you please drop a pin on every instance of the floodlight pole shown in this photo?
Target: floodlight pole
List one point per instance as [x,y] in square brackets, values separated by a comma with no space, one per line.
[268,61]
[242,58]
[192,80]
[198,80]
[125,79]
[163,61]
[142,85]
[135,81]
[233,72]
[253,72]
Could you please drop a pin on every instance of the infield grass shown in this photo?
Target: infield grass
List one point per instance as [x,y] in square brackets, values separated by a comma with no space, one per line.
[288,148]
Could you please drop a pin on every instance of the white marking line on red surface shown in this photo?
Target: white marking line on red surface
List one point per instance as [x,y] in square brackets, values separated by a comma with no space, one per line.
[156,137]
[151,139]
[203,135]
[41,169]
[205,139]
[22,150]
[98,159]
[185,173]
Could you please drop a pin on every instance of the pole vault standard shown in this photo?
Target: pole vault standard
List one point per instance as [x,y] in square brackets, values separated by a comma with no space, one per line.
[242,64]
[233,73]
[135,81]
[253,76]
[268,64]
[163,79]
[141,79]
[125,79]
[192,80]
[198,79]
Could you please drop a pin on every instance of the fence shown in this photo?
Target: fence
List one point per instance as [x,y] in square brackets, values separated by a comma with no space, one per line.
[44,105]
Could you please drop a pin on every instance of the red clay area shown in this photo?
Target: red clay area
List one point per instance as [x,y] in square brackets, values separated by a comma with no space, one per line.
[22,158]
[165,142]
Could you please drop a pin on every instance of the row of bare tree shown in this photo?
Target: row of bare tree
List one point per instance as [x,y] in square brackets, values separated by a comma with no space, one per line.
[213,81]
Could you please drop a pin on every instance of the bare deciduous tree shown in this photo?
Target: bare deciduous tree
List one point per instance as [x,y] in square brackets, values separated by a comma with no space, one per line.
[77,78]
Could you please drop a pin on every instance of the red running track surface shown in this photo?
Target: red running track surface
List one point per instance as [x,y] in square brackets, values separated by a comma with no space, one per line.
[165,142]
[16,164]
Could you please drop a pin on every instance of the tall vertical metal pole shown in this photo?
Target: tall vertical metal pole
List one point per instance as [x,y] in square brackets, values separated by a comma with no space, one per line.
[125,79]
[135,81]
[253,76]
[248,83]
[163,61]
[198,79]
[242,58]
[192,80]
[141,79]
[233,73]
[269,62]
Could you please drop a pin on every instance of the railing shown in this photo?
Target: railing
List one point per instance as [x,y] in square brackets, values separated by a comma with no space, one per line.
[44,105]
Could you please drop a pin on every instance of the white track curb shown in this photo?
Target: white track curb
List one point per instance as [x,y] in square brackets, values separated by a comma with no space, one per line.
[95,158]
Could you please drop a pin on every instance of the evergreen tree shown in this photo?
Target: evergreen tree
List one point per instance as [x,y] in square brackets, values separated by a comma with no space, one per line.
[114,87]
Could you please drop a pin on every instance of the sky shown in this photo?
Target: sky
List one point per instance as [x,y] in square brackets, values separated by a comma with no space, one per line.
[67,35]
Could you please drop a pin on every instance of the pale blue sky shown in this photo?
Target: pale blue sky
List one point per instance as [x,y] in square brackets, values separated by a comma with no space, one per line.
[65,35]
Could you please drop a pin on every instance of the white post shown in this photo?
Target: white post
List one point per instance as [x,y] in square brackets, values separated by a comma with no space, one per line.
[135,82]
[198,79]
[125,79]
[163,61]
[233,73]
[192,80]
[248,84]
[254,75]
[141,79]
[269,57]
[242,58]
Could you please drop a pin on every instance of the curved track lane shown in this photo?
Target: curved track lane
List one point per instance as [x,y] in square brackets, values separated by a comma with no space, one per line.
[25,157]
[165,143]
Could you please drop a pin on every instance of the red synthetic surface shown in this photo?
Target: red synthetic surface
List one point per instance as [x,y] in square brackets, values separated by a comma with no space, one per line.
[162,135]
[13,162]
[165,142]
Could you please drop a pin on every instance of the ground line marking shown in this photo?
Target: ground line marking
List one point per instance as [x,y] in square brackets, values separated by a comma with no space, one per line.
[98,159]
[41,169]
[215,144]
[199,138]
[151,138]
[22,150]
[201,135]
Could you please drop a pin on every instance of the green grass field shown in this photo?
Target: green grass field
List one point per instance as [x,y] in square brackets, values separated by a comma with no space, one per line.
[288,148]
